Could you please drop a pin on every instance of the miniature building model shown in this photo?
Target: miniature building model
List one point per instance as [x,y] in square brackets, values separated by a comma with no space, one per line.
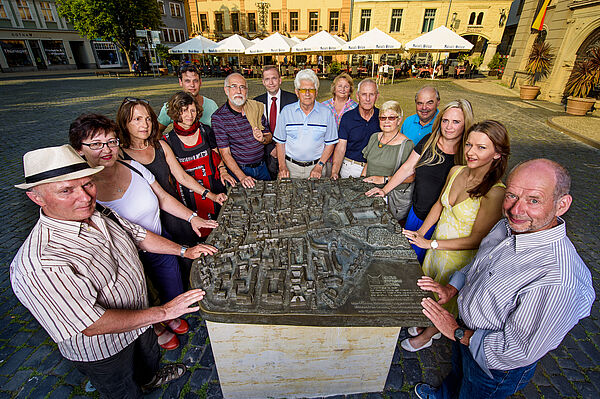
[312,253]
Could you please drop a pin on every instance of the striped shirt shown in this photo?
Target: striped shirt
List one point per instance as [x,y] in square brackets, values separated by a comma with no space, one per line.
[305,136]
[67,273]
[233,130]
[522,294]
[350,104]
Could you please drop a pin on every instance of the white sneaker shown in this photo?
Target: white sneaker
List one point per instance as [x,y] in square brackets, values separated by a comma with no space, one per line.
[414,331]
[405,344]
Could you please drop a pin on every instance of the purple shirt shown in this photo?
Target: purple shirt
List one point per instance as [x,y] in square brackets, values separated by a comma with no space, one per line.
[233,130]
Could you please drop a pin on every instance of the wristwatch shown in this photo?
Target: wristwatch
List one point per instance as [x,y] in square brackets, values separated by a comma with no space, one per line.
[193,215]
[320,163]
[204,193]
[434,244]
[183,249]
[459,333]
[386,179]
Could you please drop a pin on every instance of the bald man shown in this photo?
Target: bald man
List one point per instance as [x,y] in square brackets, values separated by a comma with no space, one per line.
[417,126]
[525,290]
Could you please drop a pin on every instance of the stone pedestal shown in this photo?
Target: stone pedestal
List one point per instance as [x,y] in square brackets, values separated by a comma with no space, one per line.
[274,361]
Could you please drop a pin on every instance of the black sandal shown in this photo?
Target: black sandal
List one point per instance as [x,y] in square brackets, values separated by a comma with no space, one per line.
[164,375]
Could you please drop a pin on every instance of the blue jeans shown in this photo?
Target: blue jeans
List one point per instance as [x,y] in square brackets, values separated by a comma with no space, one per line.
[259,173]
[413,223]
[467,380]
[163,271]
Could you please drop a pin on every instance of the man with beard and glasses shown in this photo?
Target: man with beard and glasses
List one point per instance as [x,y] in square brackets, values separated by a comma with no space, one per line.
[241,144]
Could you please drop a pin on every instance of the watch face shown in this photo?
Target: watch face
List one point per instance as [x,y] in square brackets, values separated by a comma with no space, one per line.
[434,244]
[459,333]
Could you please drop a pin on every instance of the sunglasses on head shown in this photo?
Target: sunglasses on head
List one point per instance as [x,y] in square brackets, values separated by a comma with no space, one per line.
[135,100]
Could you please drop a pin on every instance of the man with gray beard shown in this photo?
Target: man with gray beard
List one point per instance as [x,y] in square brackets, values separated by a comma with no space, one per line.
[240,142]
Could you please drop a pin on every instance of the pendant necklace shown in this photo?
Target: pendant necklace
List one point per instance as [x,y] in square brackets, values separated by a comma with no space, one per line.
[382,144]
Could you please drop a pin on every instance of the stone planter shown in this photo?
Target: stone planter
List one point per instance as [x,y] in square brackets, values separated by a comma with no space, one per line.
[528,92]
[579,106]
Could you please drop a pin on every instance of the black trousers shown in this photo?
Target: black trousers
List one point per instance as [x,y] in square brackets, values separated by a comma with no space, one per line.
[121,375]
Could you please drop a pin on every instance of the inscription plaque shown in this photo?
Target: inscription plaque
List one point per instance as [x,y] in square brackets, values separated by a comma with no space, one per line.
[311,253]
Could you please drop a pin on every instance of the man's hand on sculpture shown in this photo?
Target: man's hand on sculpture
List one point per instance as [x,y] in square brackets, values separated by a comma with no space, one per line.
[248,182]
[218,198]
[444,292]
[180,305]
[440,317]
[198,223]
[200,249]
[316,172]
[227,178]
[283,173]
[374,179]
[375,191]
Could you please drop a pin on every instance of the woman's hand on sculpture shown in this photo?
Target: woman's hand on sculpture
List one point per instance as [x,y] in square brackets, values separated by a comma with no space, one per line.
[375,191]
[415,238]
[227,178]
[374,179]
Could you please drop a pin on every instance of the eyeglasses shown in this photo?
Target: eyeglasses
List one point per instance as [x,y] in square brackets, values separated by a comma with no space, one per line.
[112,143]
[307,91]
[135,100]
[388,118]
[235,87]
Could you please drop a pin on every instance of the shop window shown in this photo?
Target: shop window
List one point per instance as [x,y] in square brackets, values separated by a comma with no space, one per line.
[365,20]
[252,22]
[294,21]
[55,52]
[396,20]
[334,21]
[313,21]
[274,21]
[24,10]
[428,20]
[107,54]
[16,53]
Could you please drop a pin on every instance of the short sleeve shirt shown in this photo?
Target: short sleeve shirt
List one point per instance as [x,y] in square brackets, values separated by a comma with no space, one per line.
[357,131]
[413,129]
[305,136]
[208,108]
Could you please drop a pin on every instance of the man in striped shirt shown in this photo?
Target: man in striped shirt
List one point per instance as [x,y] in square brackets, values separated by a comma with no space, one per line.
[525,290]
[79,274]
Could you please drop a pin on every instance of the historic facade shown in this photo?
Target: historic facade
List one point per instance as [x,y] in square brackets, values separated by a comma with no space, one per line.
[570,27]
[175,29]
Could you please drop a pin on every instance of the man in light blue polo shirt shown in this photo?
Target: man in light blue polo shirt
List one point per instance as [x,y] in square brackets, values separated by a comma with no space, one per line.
[306,132]
[416,126]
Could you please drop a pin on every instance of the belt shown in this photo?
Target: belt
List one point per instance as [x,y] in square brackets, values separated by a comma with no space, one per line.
[252,165]
[309,163]
[355,162]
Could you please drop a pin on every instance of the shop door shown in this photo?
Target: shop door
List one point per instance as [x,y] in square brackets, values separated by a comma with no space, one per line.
[37,54]
[78,54]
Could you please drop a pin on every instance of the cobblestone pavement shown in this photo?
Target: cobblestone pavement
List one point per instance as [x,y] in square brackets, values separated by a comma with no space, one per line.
[37,112]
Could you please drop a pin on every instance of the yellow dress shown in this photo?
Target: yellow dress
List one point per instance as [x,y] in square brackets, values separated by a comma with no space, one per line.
[455,222]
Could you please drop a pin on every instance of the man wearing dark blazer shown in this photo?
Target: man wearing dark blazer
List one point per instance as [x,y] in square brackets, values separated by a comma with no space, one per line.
[274,99]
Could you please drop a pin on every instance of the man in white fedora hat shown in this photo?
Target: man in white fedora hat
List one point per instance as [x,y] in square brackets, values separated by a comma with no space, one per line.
[79,274]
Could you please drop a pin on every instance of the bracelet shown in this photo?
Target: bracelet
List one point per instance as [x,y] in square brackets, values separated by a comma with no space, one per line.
[321,163]
[194,214]
[205,193]
[183,249]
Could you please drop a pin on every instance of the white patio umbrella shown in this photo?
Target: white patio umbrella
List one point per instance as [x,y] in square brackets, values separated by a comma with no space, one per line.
[196,45]
[322,42]
[439,40]
[274,44]
[256,40]
[372,42]
[234,44]
[295,39]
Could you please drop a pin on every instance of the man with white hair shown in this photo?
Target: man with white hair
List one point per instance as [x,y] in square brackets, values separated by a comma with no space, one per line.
[242,146]
[306,132]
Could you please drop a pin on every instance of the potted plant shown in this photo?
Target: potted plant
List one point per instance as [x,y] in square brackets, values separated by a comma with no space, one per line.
[585,76]
[538,66]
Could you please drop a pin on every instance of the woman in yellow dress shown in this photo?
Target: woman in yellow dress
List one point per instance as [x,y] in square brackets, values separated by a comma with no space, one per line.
[467,209]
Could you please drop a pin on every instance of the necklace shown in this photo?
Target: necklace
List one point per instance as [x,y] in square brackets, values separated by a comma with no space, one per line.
[140,149]
[389,141]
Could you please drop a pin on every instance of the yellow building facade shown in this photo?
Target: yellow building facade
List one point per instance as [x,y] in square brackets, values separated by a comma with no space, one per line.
[570,27]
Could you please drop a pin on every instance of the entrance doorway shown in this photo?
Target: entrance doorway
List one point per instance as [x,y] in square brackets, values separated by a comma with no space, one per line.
[78,54]
[38,57]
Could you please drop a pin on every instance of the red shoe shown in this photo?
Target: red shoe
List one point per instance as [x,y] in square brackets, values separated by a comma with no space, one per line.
[171,343]
[178,326]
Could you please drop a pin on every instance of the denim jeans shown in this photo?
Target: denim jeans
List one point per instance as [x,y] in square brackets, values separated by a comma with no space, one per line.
[413,223]
[259,173]
[467,380]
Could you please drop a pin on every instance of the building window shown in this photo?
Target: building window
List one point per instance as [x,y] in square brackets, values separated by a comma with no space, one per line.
[24,10]
[428,20]
[161,7]
[55,52]
[235,22]
[294,21]
[175,10]
[472,18]
[252,22]
[480,19]
[274,21]
[219,21]
[365,20]
[46,11]
[396,20]
[313,21]
[3,11]
[334,21]
[16,53]
[203,22]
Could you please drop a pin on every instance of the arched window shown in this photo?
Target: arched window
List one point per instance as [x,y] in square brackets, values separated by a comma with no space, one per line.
[480,18]
[472,19]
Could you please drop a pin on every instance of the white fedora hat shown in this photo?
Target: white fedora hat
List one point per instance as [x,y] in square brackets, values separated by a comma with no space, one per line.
[53,164]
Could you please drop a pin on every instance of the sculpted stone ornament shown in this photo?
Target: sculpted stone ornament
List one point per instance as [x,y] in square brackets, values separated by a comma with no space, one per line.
[311,253]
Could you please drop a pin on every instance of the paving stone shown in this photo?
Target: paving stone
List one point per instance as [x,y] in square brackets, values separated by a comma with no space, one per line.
[398,395]
[207,358]
[199,338]
[38,356]
[395,379]
[63,367]
[582,359]
[174,388]
[563,385]
[63,391]
[573,375]
[549,392]
[49,362]
[199,377]
[549,365]
[590,349]
[173,355]
[530,391]
[44,387]
[15,360]
[412,371]
[31,383]
[17,380]
[594,377]
[214,392]
[193,355]
[75,378]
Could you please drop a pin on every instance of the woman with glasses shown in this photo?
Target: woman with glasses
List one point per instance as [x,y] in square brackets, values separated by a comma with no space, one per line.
[141,141]
[129,189]
[386,152]
[341,90]
[430,162]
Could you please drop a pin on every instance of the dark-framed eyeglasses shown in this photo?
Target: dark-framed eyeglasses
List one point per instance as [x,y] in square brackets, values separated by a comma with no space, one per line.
[135,100]
[236,87]
[97,145]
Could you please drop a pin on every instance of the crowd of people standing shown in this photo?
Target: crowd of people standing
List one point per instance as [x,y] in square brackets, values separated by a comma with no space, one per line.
[439,170]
